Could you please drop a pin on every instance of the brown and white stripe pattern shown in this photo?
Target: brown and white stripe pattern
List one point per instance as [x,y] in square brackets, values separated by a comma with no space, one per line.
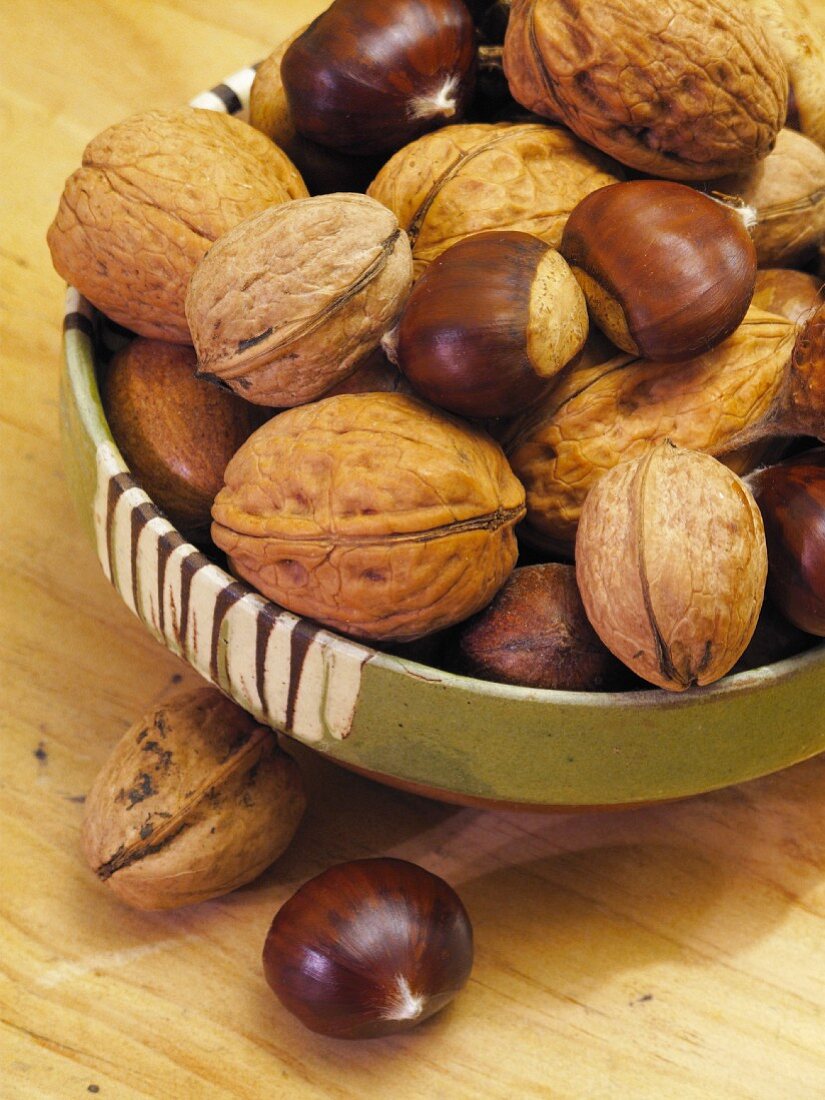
[231,96]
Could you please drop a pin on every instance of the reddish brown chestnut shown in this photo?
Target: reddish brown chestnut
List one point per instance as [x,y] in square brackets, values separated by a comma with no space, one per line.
[490,323]
[791,498]
[369,948]
[368,76]
[668,272]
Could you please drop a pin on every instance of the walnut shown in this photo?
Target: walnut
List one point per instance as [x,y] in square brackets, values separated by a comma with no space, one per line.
[468,178]
[175,431]
[671,563]
[287,303]
[152,195]
[787,192]
[195,800]
[686,89]
[792,294]
[372,513]
[599,416]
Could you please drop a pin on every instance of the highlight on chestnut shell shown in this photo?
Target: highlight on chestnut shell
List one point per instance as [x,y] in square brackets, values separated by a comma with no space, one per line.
[369,948]
[368,76]
[668,272]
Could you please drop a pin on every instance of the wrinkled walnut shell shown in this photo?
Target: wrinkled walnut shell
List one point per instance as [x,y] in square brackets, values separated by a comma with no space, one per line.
[686,91]
[787,193]
[792,294]
[468,178]
[287,303]
[671,564]
[371,513]
[195,800]
[152,195]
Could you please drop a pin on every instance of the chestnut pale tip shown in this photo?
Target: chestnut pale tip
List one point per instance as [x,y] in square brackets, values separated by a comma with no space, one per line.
[404,1004]
[443,102]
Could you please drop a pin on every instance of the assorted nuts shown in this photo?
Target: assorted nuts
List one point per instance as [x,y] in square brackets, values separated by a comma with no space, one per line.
[595,358]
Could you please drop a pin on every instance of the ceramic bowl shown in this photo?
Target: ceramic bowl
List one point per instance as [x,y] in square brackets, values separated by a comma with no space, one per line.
[409,725]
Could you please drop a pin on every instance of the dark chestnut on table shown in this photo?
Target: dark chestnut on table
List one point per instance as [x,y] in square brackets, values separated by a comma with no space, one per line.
[791,498]
[369,948]
[668,272]
[368,76]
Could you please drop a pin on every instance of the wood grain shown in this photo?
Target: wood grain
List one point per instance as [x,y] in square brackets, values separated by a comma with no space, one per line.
[676,951]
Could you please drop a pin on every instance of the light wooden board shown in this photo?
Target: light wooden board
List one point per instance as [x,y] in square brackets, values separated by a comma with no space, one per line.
[676,951]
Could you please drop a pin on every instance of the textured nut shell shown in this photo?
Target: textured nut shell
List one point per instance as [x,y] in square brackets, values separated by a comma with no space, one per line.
[372,513]
[152,195]
[195,800]
[175,431]
[536,633]
[599,416]
[468,178]
[797,30]
[688,89]
[268,108]
[792,294]
[671,564]
[286,304]
[558,324]
[787,191]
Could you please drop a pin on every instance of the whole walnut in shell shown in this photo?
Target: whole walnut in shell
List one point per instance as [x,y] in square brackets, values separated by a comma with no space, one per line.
[687,89]
[153,193]
[469,178]
[671,564]
[787,192]
[792,294]
[287,303]
[372,513]
[195,800]
[599,416]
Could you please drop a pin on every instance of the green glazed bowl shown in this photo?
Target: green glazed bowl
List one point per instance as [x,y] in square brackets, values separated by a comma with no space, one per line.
[451,737]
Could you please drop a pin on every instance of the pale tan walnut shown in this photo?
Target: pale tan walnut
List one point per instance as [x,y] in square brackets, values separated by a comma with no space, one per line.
[195,800]
[153,193]
[598,416]
[671,565]
[787,193]
[792,294]
[683,89]
[797,30]
[372,513]
[471,177]
[286,305]
[268,108]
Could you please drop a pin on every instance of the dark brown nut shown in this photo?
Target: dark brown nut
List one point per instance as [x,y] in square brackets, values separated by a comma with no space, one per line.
[774,639]
[671,565]
[175,431]
[285,305]
[195,800]
[324,170]
[796,28]
[372,513]
[468,178]
[692,92]
[596,417]
[490,323]
[374,374]
[152,195]
[787,193]
[536,633]
[667,272]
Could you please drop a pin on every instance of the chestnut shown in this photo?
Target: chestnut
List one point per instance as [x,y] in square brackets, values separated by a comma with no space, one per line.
[490,323]
[368,76]
[791,498]
[668,272]
[369,948]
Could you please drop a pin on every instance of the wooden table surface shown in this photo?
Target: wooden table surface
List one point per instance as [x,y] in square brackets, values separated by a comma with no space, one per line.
[671,951]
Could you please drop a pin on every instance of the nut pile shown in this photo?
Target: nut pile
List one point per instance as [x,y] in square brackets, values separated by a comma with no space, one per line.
[539,240]
[475,333]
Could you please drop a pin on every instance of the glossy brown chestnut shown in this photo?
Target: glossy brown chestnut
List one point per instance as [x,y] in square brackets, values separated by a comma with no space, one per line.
[668,272]
[369,948]
[490,323]
[791,498]
[368,76]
